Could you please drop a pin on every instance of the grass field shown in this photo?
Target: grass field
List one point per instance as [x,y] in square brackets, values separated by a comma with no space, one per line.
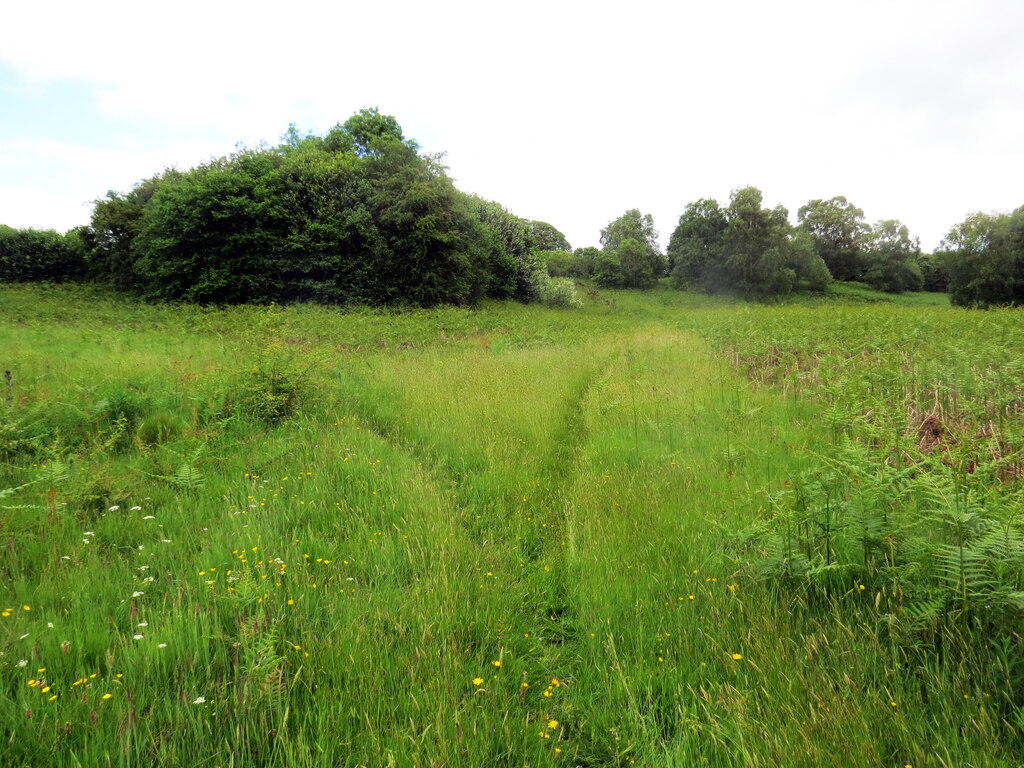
[661,530]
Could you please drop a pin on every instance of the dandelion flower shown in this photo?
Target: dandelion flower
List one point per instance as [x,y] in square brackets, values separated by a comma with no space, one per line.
[496,663]
[552,724]
[737,656]
[478,681]
[106,696]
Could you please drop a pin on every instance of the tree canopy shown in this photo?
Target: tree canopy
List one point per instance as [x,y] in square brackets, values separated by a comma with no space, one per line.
[838,230]
[355,216]
[983,257]
[630,243]
[548,238]
[743,249]
[891,258]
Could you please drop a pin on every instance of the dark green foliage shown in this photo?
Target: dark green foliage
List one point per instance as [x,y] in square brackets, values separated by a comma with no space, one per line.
[984,259]
[744,249]
[210,235]
[607,270]
[116,222]
[510,246]
[558,263]
[838,230]
[632,241]
[356,217]
[547,238]
[29,255]
[694,246]
[430,251]
[583,262]
[639,268]
[371,132]
[933,272]
[890,259]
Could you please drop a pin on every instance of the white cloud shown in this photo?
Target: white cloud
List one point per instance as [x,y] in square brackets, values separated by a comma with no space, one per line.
[570,112]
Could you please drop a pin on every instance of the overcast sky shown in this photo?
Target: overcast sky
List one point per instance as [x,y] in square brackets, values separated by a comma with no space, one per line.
[567,112]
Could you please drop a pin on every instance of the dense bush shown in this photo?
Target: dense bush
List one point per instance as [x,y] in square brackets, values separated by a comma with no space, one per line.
[358,216]
[983,258]
[744,249]
[30,255]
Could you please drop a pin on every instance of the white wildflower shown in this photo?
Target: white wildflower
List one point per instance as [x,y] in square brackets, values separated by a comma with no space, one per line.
[200,700]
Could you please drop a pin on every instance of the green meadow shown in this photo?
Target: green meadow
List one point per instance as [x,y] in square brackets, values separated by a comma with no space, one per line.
[658,530]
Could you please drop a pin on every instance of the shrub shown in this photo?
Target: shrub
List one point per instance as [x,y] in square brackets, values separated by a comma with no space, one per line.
[561,293]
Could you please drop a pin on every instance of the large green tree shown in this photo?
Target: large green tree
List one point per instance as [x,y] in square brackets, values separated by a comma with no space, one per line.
[515,271]
[984,260]
[695,245]
[547,238]
[356,216]
[632,241]
[744,249]
[891,258]
[115,225]
[838,230]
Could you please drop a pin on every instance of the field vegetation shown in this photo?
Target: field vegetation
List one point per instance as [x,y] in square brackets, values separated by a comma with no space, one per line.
[662,529]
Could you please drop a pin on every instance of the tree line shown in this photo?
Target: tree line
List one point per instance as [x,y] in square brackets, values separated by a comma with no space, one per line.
[360,215]
[357,216]
[754,252]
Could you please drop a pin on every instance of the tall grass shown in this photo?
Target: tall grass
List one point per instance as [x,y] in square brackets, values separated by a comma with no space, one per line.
[512,536]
